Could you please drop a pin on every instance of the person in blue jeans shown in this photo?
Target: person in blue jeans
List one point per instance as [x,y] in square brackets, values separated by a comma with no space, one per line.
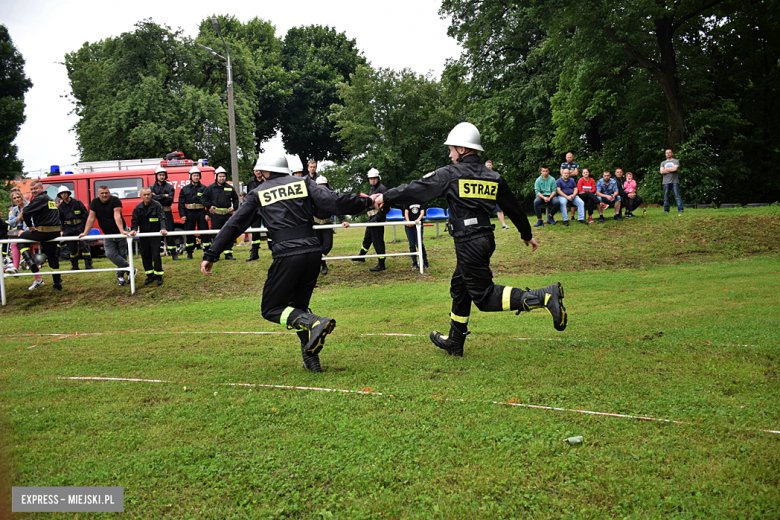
[567,193]
[671,181]
[415,213]
[607,192]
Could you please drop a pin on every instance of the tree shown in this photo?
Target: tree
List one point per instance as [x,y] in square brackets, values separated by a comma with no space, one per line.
[395,121]
[13,86]
[317,59]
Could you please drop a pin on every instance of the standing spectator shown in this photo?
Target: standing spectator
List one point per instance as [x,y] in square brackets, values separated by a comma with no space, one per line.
[323,218]
[107,209]
[163,192]
[16,227]
[497,210]
[149,217]
[586,188]
[671,181]
[607,191]
[633,200]
[546,190]
[73,214]
[286,204]
[312,169]
[257,237]
[375,235]
[414,213]
[220,200]
[193,213]
[43,225]
[574,170]
[567,192]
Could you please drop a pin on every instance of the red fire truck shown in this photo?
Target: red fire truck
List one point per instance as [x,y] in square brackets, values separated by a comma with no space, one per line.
[125,180]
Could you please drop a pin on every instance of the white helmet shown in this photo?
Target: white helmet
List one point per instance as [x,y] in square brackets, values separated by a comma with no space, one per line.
[272,163]
[194,169]
[295,164]
[220,170]
[159,170]
[466,135]
[322,180]
[63,189]
[373,173]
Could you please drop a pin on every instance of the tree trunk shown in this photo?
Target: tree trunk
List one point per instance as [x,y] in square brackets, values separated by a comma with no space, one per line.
[666,74]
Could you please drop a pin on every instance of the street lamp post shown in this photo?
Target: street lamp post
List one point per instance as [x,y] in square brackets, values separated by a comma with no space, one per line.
[231,109]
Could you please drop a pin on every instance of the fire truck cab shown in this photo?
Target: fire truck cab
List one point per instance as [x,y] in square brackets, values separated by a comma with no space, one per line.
[125,180]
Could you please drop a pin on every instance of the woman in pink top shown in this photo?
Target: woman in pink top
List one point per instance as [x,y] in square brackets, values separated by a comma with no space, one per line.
[586,190]
[633,200]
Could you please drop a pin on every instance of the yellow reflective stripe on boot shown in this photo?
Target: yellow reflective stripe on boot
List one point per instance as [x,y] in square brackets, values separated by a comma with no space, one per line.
[459,319]
[285,315]
[506,299]
[547,299]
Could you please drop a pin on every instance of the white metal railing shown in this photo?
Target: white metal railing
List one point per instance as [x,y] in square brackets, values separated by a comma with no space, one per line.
[131,267]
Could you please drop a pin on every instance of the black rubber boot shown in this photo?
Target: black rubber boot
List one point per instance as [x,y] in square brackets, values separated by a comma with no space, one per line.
[149,279]
[452,344]
[318,327]
[189,254]
[378,267]
[30,262]
[310,361]
[550,298]
[57,281]
[361,253]
[324,269]
[254,254]
[174,255]
[74,264]
[229,256]
[88,262]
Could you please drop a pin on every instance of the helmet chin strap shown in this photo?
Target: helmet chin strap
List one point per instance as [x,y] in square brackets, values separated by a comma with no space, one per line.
[469,151]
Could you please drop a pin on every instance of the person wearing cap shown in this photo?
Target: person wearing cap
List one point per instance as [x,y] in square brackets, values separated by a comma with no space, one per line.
[286,206]
[257,236]
[220,200]
[149,217]
[73,214]
[193,213]
[43,225]
[375,235]
[324,218]
[472,191]
[163,193]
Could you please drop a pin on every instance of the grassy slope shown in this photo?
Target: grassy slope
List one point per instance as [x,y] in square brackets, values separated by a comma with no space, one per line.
[671,317]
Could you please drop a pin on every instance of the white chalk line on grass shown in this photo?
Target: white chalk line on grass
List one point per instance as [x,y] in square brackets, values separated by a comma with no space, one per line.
[369,391]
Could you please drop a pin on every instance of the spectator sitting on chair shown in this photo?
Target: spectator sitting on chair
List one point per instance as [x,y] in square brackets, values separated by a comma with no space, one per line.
[497,209]
[546,190]
[107,209]
[149,217]
[633,200]
[586,188]
[567,193]
[620,180]
[607,191]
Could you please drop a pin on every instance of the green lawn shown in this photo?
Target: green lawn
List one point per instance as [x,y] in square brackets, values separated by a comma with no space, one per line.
[675,318]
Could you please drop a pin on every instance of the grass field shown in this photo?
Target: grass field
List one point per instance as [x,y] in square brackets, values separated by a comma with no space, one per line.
[673,318]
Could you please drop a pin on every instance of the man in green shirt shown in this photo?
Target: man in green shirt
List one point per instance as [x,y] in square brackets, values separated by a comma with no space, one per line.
[545,189]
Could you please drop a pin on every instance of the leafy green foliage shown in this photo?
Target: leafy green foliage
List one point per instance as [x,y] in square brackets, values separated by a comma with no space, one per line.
[13,86]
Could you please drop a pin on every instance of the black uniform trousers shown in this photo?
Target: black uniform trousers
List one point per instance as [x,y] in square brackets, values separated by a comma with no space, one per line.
[473,281]
[170,242]
[288,287]
[376,236]
[196,218]
[50,249]
[150,255]
[217,221]
[76,247]
[325,236]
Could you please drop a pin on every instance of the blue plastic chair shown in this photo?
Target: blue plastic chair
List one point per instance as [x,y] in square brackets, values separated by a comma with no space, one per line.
[437,215]
[394,214]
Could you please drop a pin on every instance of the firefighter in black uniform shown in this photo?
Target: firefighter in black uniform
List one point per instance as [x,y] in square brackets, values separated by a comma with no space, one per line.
[192,212]
[472,190]
[285,204]
[257,237]
[221,200]
[43,224]
[149,217]
[375,235]
[163,193]
[73,214]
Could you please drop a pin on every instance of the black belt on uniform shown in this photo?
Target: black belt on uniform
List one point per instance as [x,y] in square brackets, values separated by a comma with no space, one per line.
[48,229]
[73,222]
[280,235]
[167,209]
[468,225]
